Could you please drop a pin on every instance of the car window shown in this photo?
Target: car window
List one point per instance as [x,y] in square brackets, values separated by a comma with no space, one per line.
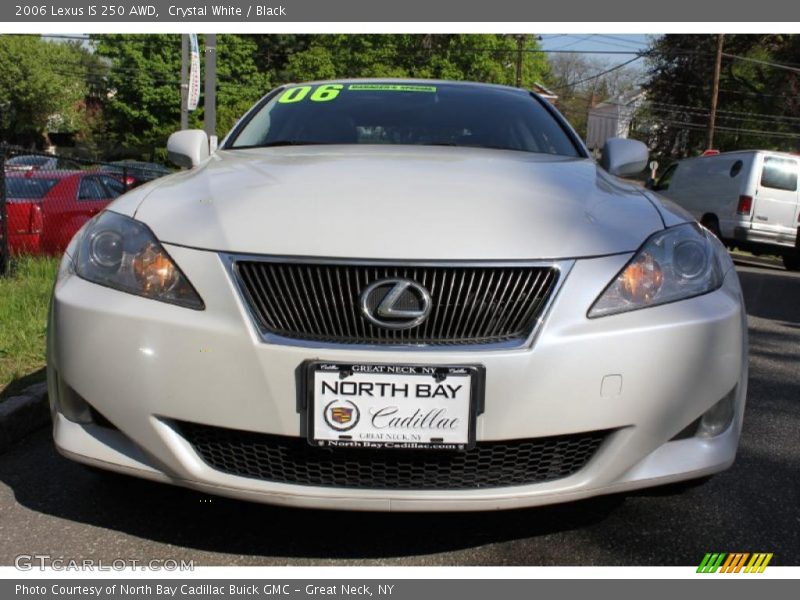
[33,161]
[24,188]
[114,187]
[666,177]
[410,113]
[779,173]
[91,189]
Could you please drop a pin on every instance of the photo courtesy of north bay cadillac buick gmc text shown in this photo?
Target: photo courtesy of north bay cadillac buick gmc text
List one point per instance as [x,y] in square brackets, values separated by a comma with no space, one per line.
[399,295]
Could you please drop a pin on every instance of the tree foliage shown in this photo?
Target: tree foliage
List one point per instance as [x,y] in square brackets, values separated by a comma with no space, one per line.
[581,82]
[488,58]
[758,104]
[43,88]
[143,105]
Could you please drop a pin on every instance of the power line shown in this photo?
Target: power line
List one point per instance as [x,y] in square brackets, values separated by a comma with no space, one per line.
[737,114]
[693,126]
[738,92]
[597,75]
[777,134]
[627,47]
[701,127]
[575,42]
[621,39]
[766,63]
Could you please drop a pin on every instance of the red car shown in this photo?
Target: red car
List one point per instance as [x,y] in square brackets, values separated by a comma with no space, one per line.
[46,208]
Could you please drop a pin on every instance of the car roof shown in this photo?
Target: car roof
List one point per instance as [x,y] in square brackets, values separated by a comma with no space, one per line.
[57,174]
[45,156]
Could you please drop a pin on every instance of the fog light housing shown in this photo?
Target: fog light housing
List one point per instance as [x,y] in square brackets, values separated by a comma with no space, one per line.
[70,404]
[718,418]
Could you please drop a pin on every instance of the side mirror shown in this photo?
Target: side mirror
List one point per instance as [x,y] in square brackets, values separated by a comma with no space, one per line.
[188,148]
[623,157]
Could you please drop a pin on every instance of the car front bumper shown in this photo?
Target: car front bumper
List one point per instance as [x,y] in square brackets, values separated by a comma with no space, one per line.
[644,375]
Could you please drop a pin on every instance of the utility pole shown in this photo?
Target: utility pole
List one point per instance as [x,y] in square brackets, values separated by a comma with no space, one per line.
[184,81]
[520,53]
[210,102]
[712,117]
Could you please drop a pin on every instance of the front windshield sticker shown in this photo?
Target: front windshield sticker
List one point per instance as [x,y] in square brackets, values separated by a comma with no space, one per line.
[329,91]
[381,87]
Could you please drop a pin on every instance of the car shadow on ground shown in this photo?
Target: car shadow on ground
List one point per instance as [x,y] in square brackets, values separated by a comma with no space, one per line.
[179,516]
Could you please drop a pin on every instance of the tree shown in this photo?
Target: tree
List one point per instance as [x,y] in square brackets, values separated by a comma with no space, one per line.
[240,80]
[580,83]
[273,52]
[42,89]
[143,106]
[476,57]
[758,104]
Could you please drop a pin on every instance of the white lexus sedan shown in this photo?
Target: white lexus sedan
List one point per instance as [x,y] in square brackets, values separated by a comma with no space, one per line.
[398,295]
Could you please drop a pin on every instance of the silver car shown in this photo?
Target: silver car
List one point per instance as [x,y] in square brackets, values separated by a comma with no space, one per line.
[398,295]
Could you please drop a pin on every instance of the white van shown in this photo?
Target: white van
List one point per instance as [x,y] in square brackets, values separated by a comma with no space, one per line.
[749,199]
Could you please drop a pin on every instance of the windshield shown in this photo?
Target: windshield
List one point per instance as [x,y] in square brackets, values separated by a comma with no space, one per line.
[400,113]
[23,188]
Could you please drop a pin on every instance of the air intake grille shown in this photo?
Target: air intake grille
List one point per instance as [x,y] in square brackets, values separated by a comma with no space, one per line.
[489,464]
[469,305]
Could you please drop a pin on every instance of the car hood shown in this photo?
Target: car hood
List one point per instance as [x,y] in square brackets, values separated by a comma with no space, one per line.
[398,202]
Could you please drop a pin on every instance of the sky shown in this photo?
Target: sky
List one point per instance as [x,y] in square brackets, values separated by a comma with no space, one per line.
[599,43]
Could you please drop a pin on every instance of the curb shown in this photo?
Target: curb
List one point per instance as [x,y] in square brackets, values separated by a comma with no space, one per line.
[22,415]
[756,261]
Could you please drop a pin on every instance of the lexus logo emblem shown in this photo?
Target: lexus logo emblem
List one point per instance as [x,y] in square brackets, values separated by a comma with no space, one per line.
[396,303]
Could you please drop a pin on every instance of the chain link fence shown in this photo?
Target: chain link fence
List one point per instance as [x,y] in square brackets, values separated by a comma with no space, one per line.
[46,198]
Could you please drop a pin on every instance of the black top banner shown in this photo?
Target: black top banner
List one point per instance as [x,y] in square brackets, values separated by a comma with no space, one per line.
[304,11]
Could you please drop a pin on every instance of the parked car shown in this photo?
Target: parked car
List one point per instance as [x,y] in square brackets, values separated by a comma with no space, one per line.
[134,173]
[46,208]
[37,162]
[399,295]
[24,194]
[750,199]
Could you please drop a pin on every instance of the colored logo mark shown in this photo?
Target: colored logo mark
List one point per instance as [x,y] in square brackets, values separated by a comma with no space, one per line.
[341,415]
[734,562]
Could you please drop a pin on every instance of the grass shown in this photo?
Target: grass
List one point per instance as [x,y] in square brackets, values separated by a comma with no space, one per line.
[24,298]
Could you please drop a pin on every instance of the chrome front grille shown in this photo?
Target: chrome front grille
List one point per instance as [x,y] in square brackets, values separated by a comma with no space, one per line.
[320,301]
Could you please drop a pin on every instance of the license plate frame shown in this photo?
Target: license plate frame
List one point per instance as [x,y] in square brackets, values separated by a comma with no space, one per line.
[438,373]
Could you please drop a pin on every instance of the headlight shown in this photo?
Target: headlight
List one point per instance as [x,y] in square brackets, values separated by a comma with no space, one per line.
[677,263]
[122,253]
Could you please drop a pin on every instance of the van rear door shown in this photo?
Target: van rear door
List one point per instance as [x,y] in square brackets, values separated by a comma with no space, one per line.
[775,204]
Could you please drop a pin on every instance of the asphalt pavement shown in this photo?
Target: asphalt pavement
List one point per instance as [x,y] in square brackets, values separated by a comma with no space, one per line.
[49,505]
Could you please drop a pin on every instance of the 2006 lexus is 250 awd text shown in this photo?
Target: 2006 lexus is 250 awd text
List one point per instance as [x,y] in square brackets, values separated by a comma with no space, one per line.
[398,295]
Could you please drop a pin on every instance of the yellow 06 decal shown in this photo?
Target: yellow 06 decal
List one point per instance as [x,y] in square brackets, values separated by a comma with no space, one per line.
[322,93]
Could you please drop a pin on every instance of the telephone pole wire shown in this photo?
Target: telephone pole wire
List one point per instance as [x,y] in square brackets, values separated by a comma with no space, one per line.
[712,117]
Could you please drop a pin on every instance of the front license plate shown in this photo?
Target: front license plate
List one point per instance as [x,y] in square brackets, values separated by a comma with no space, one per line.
[392,406]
